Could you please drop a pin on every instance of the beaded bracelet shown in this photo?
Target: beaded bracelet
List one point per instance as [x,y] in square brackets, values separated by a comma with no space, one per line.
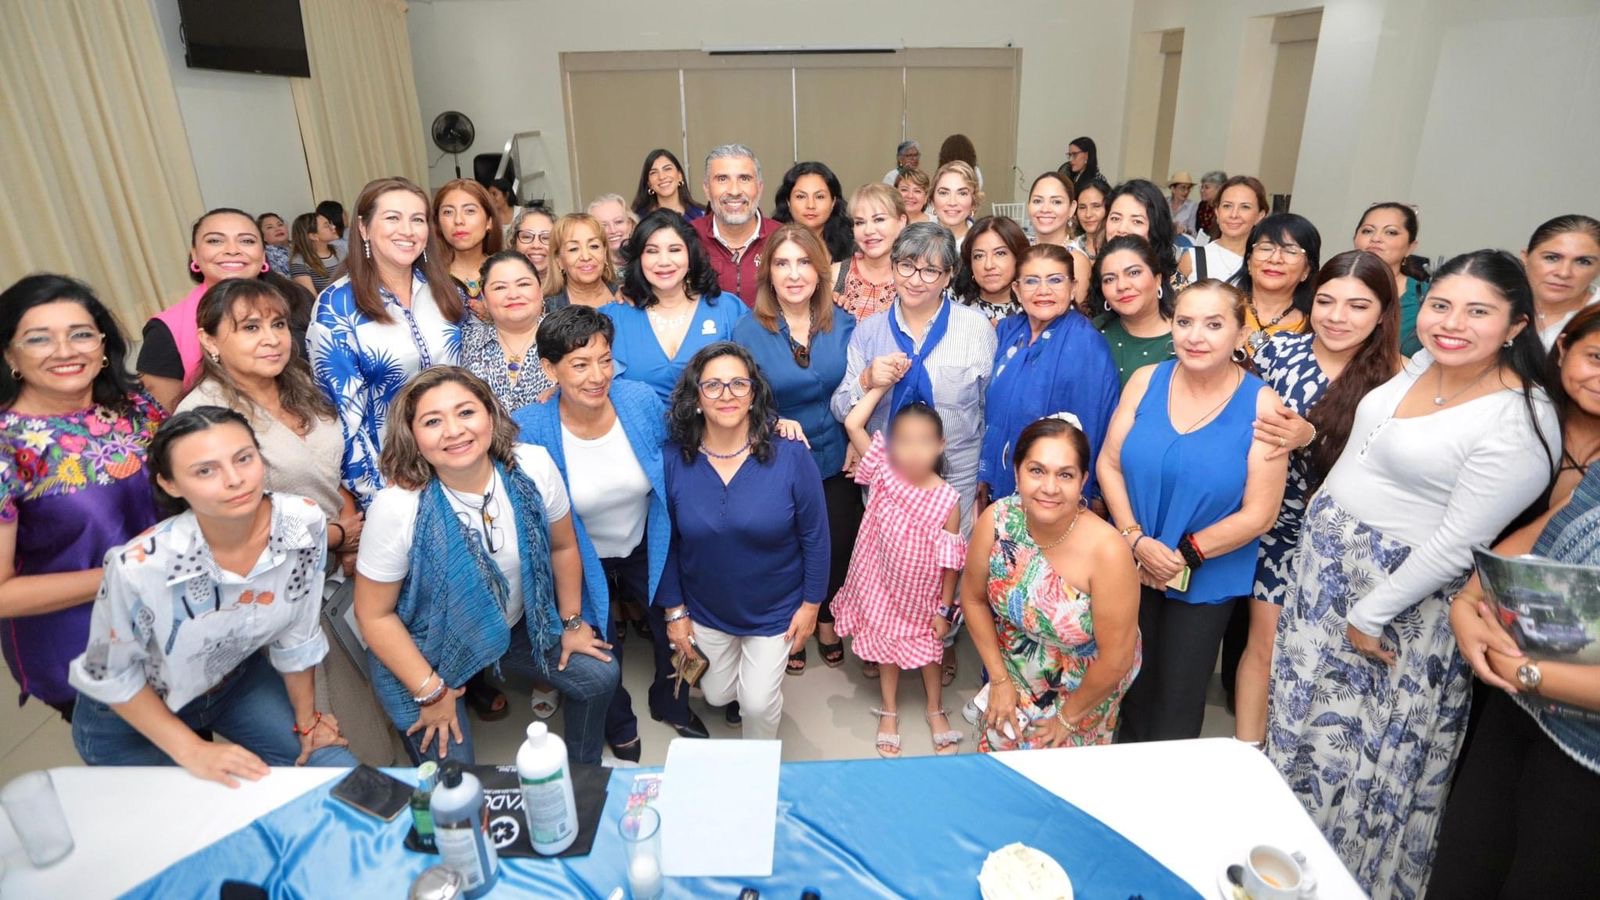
[303,732]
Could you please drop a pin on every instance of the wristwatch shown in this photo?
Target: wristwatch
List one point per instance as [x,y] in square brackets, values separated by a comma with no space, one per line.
[1529,676]
[572,623]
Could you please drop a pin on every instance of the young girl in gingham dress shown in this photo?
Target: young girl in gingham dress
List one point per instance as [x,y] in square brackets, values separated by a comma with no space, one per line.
[898,598]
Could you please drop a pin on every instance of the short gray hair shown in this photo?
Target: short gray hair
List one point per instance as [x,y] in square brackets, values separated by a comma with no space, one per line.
[1215,176]
[906,147]
[525,211]
[732,151]
[926,240]
[613,198]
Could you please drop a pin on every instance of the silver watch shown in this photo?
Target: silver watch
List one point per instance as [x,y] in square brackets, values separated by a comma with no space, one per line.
[572,623]
[1529,676]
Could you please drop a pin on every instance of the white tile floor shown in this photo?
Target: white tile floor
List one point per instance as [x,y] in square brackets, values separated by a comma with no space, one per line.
[825,716]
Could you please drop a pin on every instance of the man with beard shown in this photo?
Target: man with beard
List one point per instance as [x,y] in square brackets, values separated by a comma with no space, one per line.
[735,232]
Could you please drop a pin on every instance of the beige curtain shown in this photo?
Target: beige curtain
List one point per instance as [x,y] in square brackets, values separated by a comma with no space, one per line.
[358,112]
[98,180]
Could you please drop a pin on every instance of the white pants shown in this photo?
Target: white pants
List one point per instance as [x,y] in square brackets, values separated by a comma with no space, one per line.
[747,669]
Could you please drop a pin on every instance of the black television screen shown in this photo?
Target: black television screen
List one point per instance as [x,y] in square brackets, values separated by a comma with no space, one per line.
[264,36]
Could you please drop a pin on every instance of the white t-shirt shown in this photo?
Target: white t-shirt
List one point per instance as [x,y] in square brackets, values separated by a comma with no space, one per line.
[385,553]
[1221,263]
[610,490]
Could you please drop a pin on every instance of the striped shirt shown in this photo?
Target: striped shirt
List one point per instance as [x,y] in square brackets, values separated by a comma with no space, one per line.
[959,368]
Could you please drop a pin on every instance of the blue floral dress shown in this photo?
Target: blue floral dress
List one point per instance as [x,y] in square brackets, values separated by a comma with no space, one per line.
[1288,366]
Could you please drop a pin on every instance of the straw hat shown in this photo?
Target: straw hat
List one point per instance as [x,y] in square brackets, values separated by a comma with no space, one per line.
[1181,176]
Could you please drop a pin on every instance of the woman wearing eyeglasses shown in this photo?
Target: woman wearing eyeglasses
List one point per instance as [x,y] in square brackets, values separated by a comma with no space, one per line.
[74,482]
[530,235]
[477,566]
[671,304]
[749,560]
[1048,360]
[1279,278]
[929,348]
[801,340]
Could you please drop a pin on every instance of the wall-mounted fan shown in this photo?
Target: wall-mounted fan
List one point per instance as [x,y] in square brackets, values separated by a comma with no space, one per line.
[453,133]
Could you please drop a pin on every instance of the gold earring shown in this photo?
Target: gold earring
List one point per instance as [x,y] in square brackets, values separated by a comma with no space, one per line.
[16,376]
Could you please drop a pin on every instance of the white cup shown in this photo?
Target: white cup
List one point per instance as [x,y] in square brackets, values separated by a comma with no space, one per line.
[35,811]
[1273,874]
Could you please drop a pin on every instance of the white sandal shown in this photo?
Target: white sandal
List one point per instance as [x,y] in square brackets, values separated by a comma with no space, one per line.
[888,744]
[945,743]
[545,703]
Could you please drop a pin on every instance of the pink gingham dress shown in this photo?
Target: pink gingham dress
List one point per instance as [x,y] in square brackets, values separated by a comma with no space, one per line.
[891,593]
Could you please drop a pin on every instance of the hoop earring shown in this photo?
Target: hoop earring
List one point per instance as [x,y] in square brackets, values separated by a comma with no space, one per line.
[1239,356]
[1161,291]
[366,249]
[1083,502]
[16,376]
[265,268]
[194,267]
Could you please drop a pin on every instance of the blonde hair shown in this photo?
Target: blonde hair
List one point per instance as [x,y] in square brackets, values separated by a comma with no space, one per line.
[967,174]
[402,462]
[766,306]
[555,280]
[880,196]
[1237,302]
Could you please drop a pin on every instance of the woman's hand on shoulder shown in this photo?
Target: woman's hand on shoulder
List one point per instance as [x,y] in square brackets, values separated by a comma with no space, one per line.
[790,429]
[1279,427]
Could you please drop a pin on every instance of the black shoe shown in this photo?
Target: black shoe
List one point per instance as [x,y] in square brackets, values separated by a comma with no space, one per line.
[694,728]
[629,752]
[730,714]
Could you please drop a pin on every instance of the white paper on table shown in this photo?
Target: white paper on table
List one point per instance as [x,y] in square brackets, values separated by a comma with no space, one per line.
[719,808]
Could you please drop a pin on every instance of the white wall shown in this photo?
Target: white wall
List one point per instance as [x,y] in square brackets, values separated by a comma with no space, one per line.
[499,61]
[1479,112]
[242,132]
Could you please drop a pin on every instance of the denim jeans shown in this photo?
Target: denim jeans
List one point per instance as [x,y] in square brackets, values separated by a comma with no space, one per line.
[586,687]
[249,707]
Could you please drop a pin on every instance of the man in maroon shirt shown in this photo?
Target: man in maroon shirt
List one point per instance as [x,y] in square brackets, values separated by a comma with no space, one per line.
[735,232]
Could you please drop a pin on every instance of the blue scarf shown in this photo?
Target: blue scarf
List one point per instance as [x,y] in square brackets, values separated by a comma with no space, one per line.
[453,601]
[916,385]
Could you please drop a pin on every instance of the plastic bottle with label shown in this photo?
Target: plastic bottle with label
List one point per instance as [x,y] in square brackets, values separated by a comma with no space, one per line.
[461,832]
[547,799]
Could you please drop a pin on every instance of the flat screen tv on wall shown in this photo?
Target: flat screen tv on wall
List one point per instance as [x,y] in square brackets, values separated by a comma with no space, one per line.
[263,36]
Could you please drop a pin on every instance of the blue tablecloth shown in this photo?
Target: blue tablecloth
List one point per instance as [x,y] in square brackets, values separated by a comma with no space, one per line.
[908,828]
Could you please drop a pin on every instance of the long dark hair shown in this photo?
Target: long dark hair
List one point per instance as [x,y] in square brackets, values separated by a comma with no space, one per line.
[958,147]
[181,425]
[363,272]
[1580,326]
[837,233]
[114,387]
[300,235]
[1526,356]
[1373,363]
[1091,169]
[298,393]
[1158,214]
[701,280]
[686,426]
[1010,234]
[644,202]
[1281,228]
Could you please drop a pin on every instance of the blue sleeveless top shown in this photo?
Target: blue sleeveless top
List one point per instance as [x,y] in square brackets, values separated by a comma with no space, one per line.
[1181,483]
[1572,536]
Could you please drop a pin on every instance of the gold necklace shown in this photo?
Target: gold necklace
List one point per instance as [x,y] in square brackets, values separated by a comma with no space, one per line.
[1057,542]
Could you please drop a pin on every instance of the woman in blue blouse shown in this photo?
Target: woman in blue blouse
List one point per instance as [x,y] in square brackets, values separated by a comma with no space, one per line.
[606,437]
[671,305]
[393,314]
[1192,491]
[800,339]
[1049,359]
[749,560]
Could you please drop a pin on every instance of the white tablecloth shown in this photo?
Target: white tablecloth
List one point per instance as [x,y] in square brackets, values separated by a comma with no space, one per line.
[1193,805]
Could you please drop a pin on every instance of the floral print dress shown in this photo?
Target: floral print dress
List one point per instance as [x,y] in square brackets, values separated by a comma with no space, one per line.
[75,485]
[1046,633]
[1288,366]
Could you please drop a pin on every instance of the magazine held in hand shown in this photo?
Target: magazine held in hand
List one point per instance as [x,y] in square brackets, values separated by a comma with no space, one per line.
[1551,609]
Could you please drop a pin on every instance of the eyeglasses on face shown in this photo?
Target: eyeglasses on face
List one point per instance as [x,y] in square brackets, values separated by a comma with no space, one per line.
[712,389]
[80,340]
[533,237]
[906,268]
[1032,282]
[1266,250]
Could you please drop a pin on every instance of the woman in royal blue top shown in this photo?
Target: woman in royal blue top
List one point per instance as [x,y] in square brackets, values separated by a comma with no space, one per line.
[801,339]
[671,305]
[1049,359]
[606,437]
[1192,491]
[749,559]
